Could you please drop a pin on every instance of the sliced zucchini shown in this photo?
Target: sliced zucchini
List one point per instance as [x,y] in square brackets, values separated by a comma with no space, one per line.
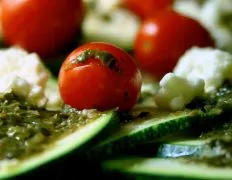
[74,139]
[205,143]
[158,168]
[181,148]
[149,124]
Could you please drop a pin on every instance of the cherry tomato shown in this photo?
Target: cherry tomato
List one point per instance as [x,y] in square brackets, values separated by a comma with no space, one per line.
[146,8]
[41,26]
[164,38]
[101,76]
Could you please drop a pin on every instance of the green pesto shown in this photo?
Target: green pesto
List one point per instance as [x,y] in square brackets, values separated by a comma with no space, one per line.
[216,153]
[226,20]
[222,98]
[105,58]
[25,130]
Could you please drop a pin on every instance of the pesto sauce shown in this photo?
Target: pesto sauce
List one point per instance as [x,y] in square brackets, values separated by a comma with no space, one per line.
[218,151]
[26,130]
[225,20]
[222,98]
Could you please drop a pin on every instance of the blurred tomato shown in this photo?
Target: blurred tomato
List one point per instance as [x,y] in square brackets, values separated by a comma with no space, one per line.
[42,26]
[146,8]
[164,38]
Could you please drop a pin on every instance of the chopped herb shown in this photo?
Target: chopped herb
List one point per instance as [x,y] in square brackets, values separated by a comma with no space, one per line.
[105,58]
[25,130]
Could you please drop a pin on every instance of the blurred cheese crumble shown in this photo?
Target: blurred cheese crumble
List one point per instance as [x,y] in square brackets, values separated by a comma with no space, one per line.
[17,62]
[175,92]
[103,6]
[108,21]
[214,15]
[214,66]
[25,75]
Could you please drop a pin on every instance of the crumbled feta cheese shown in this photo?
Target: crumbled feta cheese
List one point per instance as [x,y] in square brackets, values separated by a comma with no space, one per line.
[214,15]
[106,6]
[214,66]
[187,8]
[54,102]
[176,92]
[27,66]
[20,87]
[112,32]
[25,75]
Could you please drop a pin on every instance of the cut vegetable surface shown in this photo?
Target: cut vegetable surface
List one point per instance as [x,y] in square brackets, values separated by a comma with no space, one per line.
[144,124]
[33,138]
[149,124]
[157,168]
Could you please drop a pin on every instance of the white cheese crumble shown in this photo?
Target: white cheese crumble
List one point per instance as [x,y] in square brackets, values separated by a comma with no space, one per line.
[106,6]
[214,15]
[16,61]
[54,101]
[214,66]
[120,29]
[20,87]
[187,8]
[176,92]
[25,75]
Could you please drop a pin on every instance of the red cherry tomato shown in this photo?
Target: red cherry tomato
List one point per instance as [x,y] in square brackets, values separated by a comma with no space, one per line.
[101,76]
[165,37]
[41,26]
[146,8]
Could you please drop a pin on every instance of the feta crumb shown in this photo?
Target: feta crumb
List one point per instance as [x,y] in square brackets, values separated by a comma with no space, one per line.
[176,92]
[20,87]
[113,31]
[214,15]
[27,66]
[54,102]
[105,7]
[214,66]
[25,75]
[190,9]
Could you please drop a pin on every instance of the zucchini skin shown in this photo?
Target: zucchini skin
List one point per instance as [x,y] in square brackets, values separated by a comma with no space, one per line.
[113,147]
[164,169]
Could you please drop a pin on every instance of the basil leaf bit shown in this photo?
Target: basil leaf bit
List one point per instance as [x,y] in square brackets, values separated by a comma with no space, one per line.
[105,58]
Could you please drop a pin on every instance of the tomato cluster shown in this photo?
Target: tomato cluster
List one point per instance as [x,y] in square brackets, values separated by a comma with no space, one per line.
[100,75]
[164,35]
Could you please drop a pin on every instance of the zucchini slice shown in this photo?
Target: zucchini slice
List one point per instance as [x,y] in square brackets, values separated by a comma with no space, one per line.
[181,148]
[74,141]
[195,146]
[149,124]
[152,168]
